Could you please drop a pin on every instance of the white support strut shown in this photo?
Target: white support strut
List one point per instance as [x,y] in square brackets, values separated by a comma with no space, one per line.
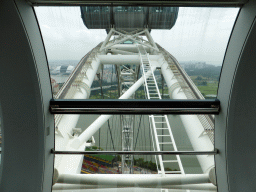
[191,123]
[97,124]
[107,39]
[151,39]
[171,188]
[68,122]
[133,180]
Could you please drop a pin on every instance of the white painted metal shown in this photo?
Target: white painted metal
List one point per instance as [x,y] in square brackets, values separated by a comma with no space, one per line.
[107,39]
[91,130]
[154,143]
[138,40]
[127,78]
[187,86]
[151,39]
[138,55]
[128,47]
[158,122]
[124,37]
[124,59]
[81,82]
[66,123]
[170,188]
[166,125]
[133,180]
[127,123]
[117,51]
[193,126]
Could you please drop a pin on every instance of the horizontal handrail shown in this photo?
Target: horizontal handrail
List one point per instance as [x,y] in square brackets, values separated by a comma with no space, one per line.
[214,152]
[140,106]
[179,3]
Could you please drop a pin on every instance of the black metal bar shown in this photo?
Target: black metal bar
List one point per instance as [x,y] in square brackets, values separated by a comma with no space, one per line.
[135,152]
[180,3]
[138,106]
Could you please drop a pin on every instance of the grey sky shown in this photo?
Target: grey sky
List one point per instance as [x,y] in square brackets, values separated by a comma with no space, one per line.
[200,34]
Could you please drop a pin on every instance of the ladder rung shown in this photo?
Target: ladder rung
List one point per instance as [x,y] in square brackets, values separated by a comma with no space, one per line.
[172,171]
[170,161]
[161,128]
[165,143]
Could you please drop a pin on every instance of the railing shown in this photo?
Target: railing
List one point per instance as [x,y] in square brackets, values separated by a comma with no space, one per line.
[190,90]
[69,88]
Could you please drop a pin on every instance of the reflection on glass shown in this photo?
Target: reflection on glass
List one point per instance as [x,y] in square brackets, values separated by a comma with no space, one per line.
[143,164]
[135,61]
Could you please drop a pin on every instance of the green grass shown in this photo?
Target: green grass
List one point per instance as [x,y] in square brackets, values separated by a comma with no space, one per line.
[106,157]
[210,89]
[108,94]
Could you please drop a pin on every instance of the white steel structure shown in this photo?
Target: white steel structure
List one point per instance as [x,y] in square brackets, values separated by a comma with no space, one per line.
[140,53]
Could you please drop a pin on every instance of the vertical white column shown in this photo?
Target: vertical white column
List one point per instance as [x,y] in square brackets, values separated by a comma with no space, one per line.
[72,163]
[150,39]
[107,39]
[193,126]
[68,122]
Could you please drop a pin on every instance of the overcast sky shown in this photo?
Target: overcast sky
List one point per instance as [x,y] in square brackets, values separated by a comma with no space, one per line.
[200,34]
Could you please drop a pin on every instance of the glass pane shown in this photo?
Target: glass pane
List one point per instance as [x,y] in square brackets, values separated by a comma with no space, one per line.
[132,133]
[198,41]
[194,47]
[151,53]
[67,41]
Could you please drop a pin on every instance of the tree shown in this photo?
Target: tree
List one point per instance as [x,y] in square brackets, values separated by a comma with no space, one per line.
[204,83]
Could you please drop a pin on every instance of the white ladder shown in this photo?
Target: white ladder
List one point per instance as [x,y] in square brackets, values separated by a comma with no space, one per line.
[160,123]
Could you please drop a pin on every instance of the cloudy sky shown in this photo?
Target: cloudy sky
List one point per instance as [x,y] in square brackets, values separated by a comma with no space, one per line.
[200,34]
